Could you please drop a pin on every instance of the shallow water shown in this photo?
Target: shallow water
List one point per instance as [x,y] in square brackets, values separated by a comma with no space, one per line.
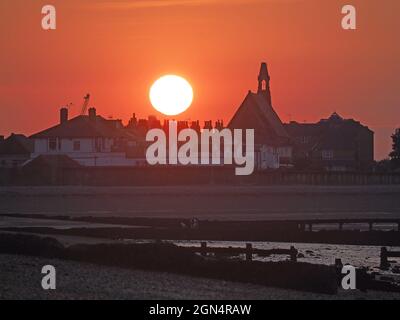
[358,256]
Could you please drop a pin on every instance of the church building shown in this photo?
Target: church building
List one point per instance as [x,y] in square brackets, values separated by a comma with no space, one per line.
[256,112]
[332,144]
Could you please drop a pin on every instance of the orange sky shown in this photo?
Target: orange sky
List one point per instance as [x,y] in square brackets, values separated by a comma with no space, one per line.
[116,49]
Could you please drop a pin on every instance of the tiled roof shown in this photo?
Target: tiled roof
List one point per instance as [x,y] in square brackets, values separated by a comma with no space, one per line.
[269,114]
[83,127]
[256,112]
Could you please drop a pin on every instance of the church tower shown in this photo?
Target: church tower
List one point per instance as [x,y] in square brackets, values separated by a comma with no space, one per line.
[263,83]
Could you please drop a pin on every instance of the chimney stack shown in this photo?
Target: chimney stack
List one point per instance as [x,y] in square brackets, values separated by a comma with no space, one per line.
[63,115]
[208,125]
[92,113]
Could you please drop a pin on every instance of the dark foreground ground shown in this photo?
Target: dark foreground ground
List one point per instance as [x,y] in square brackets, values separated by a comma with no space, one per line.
[20,275]
[20,278]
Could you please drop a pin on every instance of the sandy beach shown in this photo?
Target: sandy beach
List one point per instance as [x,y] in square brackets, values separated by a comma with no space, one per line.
[21,279]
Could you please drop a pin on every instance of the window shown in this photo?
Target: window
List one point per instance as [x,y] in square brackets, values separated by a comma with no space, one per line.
[304,139]
[284,152]
[327,154]
[77,145]
[99,143]
[53,144]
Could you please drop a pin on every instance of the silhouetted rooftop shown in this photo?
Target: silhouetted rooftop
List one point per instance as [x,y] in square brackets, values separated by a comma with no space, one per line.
[16,144]
[84,127]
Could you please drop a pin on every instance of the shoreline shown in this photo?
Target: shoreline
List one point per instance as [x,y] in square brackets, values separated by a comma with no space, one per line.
[114,227]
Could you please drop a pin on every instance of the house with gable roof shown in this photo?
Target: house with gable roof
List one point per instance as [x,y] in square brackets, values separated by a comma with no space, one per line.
[15,150]
[90,140]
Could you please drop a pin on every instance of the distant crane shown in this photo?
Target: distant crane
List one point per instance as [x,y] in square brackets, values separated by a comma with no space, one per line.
[85,104]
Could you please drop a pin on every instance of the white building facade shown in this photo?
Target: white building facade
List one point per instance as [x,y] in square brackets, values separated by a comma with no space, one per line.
[89,140]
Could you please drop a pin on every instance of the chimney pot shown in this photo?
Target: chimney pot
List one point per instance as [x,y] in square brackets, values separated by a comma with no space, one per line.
[92,113]
[63,115]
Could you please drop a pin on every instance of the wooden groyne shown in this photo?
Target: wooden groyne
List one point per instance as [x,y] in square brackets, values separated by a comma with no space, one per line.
[166,257]
[249,251]
[385,254]
[290,231]
[307,225]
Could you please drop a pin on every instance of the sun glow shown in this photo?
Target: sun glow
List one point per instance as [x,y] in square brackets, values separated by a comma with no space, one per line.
[171,95]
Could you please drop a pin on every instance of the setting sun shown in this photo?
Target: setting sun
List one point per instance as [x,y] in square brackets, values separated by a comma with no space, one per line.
[171,95]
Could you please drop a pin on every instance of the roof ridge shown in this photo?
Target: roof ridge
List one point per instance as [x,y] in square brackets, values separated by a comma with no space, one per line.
[81,126]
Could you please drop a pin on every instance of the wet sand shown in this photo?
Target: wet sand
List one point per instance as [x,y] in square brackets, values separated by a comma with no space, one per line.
[207,202]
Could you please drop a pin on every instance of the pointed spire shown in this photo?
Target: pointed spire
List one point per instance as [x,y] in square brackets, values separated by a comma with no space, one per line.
[263,75]
[263,82]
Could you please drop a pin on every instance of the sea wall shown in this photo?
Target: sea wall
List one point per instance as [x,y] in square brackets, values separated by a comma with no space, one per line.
[142,176]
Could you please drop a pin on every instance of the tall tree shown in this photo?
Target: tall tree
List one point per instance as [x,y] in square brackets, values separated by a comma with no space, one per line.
[395,154]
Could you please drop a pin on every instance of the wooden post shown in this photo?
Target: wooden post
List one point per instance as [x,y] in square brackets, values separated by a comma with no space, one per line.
[249,252]
[310,227]
[384,259]
[204,249]
[341,226]
[398,226]
[339,264]
[293,254]
[371,226]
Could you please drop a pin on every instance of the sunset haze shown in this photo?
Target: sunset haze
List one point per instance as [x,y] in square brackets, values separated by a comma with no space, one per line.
[115,50]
